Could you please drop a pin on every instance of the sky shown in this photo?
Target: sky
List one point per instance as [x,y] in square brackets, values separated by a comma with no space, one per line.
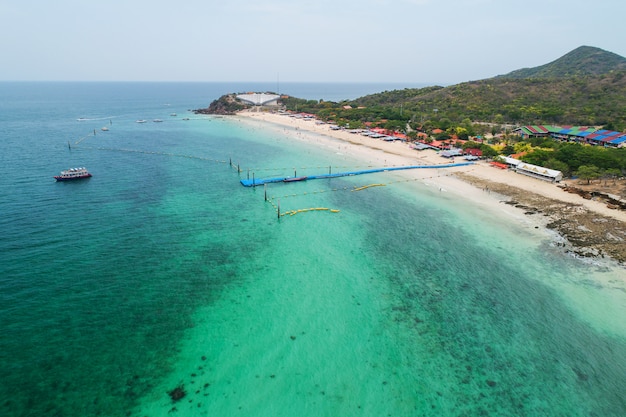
[438,42]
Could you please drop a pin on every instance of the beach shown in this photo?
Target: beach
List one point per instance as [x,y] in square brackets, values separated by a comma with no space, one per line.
[589,228]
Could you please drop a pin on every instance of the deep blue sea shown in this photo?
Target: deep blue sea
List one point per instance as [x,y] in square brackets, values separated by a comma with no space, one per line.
[162,275]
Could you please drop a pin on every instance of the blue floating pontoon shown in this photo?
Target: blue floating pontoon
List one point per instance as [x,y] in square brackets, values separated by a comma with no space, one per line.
[255,182]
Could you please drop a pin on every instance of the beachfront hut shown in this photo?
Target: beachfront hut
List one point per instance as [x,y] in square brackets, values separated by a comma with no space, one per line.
[421,146]
[451,153]
[541,173]
[511,162]
[473,152]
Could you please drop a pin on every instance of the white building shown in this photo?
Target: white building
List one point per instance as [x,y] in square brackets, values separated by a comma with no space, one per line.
[260,99]
[539,172]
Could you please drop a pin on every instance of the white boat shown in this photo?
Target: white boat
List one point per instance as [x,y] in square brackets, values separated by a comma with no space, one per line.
[140,121]
[157,120]
[73,174]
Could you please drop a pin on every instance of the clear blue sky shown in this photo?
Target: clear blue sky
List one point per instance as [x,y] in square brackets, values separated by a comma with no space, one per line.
[430,41]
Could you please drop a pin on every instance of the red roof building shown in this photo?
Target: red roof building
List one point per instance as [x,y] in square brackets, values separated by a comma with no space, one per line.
[473,152]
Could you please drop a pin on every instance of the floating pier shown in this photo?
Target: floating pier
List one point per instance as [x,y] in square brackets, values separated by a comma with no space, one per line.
[257,181]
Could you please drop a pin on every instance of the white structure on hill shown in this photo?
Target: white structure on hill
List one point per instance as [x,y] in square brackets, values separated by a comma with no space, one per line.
[260,99]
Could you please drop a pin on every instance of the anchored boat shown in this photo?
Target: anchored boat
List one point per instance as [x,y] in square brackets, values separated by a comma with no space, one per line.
[294,179]
[73,174]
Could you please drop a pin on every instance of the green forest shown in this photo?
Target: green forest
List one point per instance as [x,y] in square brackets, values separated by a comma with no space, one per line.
[582,101]
[572,159]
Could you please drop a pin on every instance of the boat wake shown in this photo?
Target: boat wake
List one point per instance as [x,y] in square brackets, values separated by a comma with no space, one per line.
[88,119]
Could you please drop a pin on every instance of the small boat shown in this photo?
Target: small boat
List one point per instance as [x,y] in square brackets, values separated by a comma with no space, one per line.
[185,118]
[140,121]
[157,120]
[294,179]
[73,174]
[104,129]
[173,114]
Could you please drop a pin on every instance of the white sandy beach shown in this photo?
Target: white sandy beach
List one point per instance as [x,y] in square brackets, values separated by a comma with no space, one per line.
[378,153]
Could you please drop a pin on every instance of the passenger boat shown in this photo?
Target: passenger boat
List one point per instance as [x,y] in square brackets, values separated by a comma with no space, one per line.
[73,174]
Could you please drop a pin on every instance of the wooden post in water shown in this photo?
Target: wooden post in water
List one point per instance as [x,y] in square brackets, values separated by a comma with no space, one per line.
[248,173]
[253,182]
[230,162]
[329,169]
[278,209]
[265,190]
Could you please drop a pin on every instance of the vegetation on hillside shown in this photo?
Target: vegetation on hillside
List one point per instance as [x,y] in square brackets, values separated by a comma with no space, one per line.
[586,101]
[226,105]
[585,87]
[582,61]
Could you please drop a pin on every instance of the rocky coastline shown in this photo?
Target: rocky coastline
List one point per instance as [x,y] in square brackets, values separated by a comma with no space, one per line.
[226,105]
[586,233]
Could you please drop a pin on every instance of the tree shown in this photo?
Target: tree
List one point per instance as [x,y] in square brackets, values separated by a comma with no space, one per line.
[508,150]
[444,123]
[558,165]
[588,172]
[612,173]
[470,144]
[461,132]
[521,147]
[488,151]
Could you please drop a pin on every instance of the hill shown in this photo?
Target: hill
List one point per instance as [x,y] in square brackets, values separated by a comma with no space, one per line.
[584,87]
[582,61]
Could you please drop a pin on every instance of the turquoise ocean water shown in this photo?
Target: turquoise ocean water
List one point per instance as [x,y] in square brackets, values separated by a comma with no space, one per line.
[163,272]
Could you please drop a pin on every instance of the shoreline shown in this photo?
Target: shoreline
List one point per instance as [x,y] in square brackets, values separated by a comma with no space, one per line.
[590,228]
